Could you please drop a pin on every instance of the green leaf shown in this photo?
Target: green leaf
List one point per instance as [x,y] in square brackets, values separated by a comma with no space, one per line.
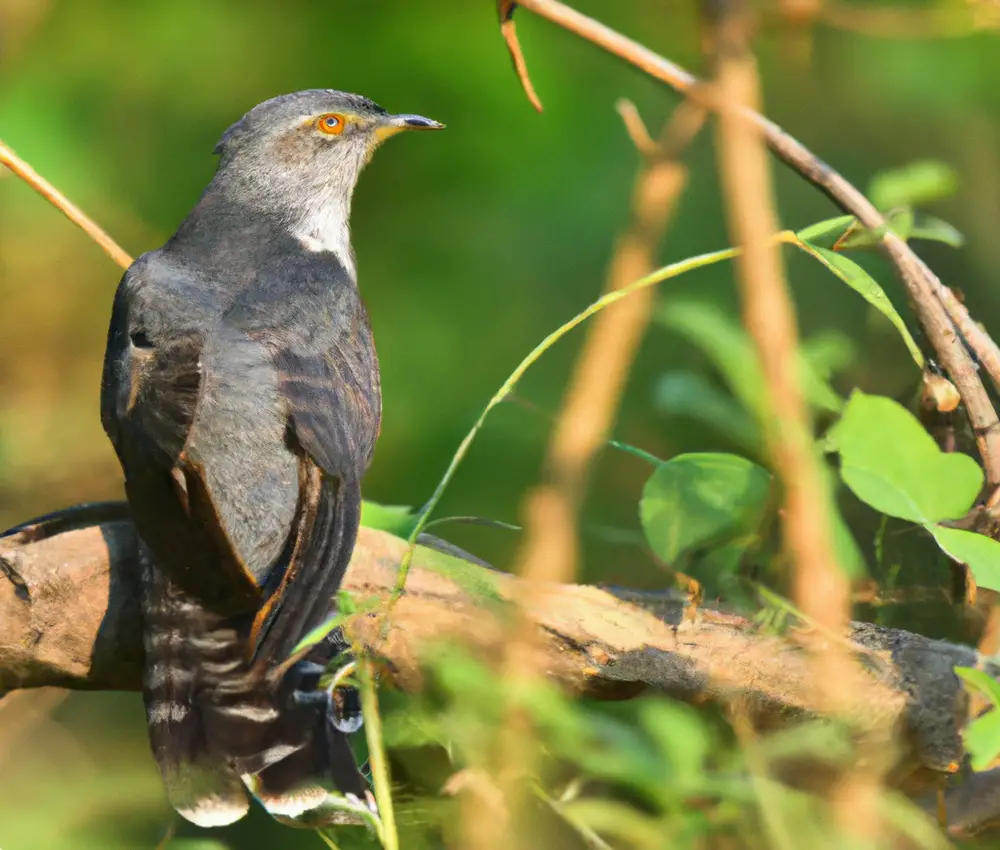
[345,609]
[696,499]
[480,584]
[917,183]
[890,462]
[936,230]
[982,735]
[826,233]
[898,220]
[979,552]
[982,682]
[859,236]
[399,520]
[845,546]
[982,739]
[680,733]
[725,342]
[861,282]
[732,352]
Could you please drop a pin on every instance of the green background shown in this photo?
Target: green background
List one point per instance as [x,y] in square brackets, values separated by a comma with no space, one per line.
[472,244]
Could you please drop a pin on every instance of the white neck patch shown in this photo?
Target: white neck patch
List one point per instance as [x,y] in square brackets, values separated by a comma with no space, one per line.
[325,227]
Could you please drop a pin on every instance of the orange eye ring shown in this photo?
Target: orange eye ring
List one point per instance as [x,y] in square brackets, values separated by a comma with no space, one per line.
[332,124]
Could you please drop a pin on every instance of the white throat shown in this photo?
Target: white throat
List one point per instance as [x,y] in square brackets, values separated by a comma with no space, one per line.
[324,227]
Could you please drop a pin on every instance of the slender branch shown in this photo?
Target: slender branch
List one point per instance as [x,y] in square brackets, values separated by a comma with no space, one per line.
[550,550]
[592,400]
[69,617]
[820,587]
[28,174]
[505,9]
[934,309]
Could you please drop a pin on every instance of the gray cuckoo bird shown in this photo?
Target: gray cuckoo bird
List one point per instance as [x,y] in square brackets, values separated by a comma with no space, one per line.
[241,393]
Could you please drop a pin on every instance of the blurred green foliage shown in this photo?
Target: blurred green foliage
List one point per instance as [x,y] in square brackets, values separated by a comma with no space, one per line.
[472,245]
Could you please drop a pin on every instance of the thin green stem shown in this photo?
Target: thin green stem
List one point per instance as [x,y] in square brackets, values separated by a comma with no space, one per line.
[666,273]
[636,452]
[387,834]
[329,842]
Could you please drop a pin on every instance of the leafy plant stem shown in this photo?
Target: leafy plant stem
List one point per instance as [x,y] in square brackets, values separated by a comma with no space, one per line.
[386,822]
[665,273]
[329,842]
[635,450]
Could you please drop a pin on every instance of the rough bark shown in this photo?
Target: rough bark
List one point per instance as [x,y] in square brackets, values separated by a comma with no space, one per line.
[69,617]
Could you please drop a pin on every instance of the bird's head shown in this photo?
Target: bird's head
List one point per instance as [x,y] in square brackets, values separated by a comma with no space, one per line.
[304,151]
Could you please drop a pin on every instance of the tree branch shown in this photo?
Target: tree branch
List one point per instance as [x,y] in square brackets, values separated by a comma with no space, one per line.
[936,307]
[69,617]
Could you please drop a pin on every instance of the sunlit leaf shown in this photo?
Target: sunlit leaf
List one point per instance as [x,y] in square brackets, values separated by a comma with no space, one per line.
[982,735]
[916,183]
[858,236]
[890,462]
[865,285]
[898,220]
[934,229]
[681,735]
[696,499]
[346,607]
[399,520]
[979,552]
[826,233]
[732,352]
[849,555]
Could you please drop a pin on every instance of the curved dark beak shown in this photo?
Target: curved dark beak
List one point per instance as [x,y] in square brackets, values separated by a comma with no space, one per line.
[390,125]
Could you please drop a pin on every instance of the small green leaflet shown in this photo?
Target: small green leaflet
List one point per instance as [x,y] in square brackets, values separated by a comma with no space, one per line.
[399,520]
[982,735]
[917,183]
[891,463]
[979,552]
[698,499]
[861,282]
[731,350]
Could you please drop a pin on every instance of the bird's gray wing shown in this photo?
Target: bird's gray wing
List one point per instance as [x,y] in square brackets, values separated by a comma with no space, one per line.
[333,403]
[193,410]
[323,353]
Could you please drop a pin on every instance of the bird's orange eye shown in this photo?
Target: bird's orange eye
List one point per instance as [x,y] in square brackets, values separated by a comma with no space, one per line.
[331,124]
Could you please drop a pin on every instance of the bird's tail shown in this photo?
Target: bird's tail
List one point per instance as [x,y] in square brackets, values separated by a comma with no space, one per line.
[215,727]
[182,641]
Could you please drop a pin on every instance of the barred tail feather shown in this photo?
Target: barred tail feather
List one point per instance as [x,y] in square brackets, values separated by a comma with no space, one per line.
[200,784]
[217,720]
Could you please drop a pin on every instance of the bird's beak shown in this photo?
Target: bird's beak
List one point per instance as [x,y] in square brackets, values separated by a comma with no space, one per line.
[392,124]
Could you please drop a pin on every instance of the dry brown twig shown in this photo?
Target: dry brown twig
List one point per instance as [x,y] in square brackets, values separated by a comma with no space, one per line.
[28,174]
[945,320]
[549,551]
[819,586]
[935,306]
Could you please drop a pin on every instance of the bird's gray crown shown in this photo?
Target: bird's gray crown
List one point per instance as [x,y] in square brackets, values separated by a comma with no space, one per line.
[275,113]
